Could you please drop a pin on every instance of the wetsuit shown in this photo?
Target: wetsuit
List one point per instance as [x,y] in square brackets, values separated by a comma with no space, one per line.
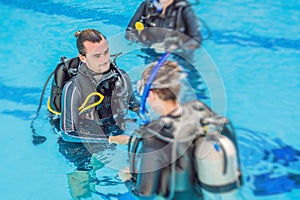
[179,17]
[104,119]
[155,164]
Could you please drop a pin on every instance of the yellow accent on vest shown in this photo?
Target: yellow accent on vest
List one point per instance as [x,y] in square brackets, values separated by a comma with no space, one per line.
[82,108]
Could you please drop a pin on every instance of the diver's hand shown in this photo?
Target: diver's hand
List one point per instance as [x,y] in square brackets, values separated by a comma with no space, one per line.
[125,174]
[119,139]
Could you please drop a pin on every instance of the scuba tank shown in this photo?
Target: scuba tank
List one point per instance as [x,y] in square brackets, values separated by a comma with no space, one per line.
[216,161]
[63,72]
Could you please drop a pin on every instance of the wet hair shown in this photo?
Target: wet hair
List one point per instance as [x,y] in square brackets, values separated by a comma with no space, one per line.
[91,35]
[166,83]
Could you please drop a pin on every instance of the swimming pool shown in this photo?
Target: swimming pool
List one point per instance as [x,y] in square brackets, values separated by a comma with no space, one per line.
[254,44]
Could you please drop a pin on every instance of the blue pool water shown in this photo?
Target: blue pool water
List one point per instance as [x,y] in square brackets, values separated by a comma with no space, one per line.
[254,46]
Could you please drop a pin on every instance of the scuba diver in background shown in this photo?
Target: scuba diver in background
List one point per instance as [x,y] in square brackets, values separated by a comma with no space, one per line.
[94,102]
[157,23]
[188,153]
[168,25]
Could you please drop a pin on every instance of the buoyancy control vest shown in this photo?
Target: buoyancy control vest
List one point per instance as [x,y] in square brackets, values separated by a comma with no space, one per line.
[213,145]
[157,27]
[68,68]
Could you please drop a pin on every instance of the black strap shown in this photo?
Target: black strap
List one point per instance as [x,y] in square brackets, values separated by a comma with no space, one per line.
[132,154]
[36,138]
[222,188]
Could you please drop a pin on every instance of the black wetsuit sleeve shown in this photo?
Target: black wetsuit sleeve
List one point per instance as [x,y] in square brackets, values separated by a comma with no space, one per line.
[70,105]
[191,24]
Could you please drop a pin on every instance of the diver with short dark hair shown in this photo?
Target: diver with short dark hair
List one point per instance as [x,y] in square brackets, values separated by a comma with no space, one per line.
[96,100]
[152,178]
[165,154]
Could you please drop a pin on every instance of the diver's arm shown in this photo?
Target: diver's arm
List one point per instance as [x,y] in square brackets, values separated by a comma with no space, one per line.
[192,26]
[70,105]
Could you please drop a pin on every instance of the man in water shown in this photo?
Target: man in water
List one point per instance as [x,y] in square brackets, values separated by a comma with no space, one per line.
[164,164]
[96,100]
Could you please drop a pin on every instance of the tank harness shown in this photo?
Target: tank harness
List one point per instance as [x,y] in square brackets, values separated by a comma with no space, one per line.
[214,150]
[212,133]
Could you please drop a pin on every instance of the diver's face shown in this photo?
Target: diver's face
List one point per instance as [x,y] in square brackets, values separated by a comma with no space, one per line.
[155,103]
[97,56]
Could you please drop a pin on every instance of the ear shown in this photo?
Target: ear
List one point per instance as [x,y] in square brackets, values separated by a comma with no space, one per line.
[152,95]
[82,58]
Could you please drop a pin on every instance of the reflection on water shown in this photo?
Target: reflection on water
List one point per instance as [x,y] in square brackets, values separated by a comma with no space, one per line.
[96,168]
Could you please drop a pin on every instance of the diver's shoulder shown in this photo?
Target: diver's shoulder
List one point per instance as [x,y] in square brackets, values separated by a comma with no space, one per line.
[196,104]
[154,126]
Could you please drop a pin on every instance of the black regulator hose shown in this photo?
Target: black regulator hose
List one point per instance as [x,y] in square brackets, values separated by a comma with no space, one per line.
[37,139]
[209,33]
